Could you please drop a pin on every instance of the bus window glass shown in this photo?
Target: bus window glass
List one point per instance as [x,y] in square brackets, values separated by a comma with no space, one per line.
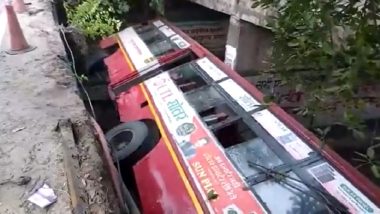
[150,35]
[234,133]
[160,48]
[143,29]
[157,43]
[289,196]
[217,116]
[186,78]
[252,151]
[202,100]
[241,142]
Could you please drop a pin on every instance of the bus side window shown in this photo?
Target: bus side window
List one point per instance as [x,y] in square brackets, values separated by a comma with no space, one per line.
[160,48]
[157,43]
[234,133]
[143,29]
[151,37]
[149,34]
[204,99]
[186,78]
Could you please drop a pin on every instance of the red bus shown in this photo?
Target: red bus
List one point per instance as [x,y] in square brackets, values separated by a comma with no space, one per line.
[199,140]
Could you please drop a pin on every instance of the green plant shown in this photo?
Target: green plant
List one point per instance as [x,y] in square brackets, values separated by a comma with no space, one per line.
[369,159]
[82,78]
[158,5]
[96,18]
[329,49]
[116,7]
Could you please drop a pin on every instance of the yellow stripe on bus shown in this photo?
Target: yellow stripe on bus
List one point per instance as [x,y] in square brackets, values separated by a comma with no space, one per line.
[173,154]
[178,165]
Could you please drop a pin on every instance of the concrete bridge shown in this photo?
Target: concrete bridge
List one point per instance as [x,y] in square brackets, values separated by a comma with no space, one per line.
[248,40]
[240,9]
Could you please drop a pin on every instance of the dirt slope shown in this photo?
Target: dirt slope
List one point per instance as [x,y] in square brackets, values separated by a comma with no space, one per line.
[36,90]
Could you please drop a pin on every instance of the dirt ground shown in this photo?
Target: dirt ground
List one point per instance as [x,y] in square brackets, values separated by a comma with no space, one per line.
[36,91]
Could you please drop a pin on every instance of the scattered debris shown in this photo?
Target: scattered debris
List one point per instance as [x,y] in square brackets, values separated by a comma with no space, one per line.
[64,127]
[43,197]
[18,129]
[38,183]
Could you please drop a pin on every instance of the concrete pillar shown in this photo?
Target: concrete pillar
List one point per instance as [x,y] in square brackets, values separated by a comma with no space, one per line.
[252,45]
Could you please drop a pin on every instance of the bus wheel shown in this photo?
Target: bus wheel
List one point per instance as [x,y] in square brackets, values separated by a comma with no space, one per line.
[125,139]
[130,142]
[94,61]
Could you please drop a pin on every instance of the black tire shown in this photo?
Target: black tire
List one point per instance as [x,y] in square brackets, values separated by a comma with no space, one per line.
[125,139]
[145,136]
[94,61]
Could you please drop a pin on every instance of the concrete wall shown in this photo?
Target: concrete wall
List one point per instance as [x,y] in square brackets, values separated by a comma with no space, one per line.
[256,16]
[224,6]
[247,33]
[238,8]
[252,44]
[206,26]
